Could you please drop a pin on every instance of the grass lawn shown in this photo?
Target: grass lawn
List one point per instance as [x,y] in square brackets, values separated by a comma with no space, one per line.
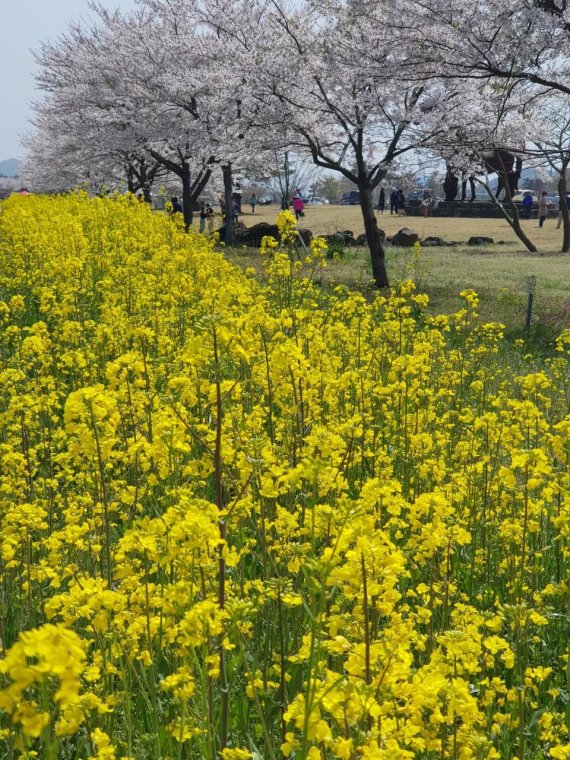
[497,272]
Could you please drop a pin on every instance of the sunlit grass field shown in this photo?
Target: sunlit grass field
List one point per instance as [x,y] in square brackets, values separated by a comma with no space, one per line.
[323,220]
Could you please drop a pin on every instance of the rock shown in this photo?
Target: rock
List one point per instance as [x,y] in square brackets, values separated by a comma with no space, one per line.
[363,240]
[344,239]
[405,238]
[252,236]
[432,242]
[480,240]
[306,236]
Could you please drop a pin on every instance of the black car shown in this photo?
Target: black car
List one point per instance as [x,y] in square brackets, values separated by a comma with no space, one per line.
[352,198]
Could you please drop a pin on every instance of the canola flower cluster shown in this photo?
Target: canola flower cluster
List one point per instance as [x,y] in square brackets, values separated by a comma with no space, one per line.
[247,518]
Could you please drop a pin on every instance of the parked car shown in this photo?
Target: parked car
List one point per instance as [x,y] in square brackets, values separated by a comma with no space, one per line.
[265,201]
[518,197]
[316,201]
[419,194]
[352,198]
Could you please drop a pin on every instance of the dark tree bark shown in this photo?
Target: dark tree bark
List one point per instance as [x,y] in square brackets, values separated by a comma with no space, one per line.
[145,175]
[377,256]
[187,200]
[130,179]
[564,210]
[191,190]
[229,205]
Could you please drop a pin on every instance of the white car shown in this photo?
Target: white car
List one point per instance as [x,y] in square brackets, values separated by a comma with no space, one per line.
[517,197]
[318,201]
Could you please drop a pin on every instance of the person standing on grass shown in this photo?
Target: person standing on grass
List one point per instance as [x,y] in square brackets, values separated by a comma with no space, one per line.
[401,202]
[381,200]
[527,205]
[210,217]
[203,217]
[394,201]
[253,202]
[542,208]
[298,207]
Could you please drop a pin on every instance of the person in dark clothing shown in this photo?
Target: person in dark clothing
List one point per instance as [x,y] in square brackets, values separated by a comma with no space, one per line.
[560,217]
[394,202]
[210,217]
[203,217]
[176,205]
[401,202]
[542,208]
[381,200]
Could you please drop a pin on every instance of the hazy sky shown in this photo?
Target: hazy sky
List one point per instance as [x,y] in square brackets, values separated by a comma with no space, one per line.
[23,25]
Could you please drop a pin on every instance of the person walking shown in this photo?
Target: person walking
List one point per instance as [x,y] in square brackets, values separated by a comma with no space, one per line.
[381,200]
[424,207]
[394,201]
[542,208]
[253,202]
[298,207]
[203,217]
[527,205]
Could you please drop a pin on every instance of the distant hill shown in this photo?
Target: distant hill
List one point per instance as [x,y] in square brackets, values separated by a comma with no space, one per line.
[10,168]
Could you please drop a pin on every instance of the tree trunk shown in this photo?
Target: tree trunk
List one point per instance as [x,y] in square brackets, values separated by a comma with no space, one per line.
[511,216]
[515,220]
[377,257]
[146,182]
[563,193]
[131,180]
[187,200]
[229,202]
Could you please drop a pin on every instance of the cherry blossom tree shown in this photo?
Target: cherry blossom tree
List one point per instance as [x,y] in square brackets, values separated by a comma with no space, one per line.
[525,41]
[149,84]
[322,79]
[79,115]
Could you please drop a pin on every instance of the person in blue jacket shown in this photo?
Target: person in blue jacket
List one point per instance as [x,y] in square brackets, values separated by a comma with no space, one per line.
[394,202]
[527,205]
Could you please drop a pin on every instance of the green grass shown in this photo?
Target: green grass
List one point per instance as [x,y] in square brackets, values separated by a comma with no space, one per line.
[497,273]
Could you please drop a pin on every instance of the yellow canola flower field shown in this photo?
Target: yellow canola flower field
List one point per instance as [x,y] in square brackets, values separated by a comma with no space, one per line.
[247,518]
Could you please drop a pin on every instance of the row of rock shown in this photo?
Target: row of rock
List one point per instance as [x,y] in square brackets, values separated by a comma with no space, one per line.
[405,238]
